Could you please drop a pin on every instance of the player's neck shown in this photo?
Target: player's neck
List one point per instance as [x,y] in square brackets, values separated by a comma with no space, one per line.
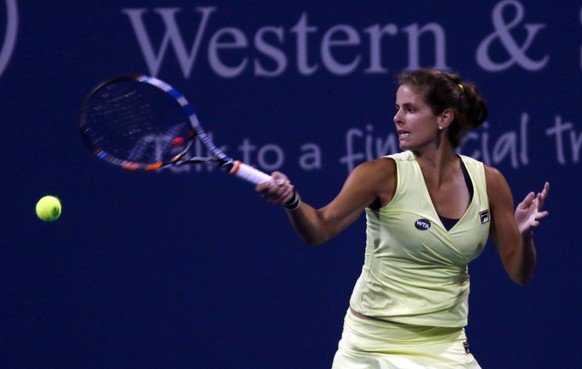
[438,165]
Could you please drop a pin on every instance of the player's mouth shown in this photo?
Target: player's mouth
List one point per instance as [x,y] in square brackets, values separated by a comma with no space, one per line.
[403,134]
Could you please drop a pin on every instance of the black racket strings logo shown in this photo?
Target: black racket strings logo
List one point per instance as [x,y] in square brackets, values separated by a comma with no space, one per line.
[160,147]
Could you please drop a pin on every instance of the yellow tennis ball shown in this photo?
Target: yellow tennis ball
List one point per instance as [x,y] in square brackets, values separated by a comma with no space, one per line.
[48,208]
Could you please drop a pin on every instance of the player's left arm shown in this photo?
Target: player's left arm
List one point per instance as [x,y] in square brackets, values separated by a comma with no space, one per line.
[512,229]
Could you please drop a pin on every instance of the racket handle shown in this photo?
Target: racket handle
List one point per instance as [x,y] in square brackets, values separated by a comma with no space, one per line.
[248,173]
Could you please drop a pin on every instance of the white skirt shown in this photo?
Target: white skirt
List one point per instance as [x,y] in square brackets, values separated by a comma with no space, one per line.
[372,344]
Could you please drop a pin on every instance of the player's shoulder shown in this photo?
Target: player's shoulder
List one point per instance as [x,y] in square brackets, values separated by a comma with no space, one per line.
[383,165]
[374,173]
[388,163]
[492,173]
[496,182]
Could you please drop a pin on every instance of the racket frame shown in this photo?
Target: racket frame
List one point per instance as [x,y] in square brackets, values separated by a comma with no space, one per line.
[217,157]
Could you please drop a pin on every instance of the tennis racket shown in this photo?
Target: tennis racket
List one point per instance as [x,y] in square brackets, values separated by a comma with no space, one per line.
[143,123]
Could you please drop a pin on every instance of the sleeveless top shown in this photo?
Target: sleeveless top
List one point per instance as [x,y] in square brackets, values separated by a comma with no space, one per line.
[415,270]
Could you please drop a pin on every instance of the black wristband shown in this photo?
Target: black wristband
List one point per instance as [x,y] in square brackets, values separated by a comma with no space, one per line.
[293,203]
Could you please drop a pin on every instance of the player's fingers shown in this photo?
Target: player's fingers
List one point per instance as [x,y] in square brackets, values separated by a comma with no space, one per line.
[534,223]
[281,198]
[285,191]
[278,190]
[263,186]
[540,201]
[527,201]
[277,193]
[546,190]
[279,177]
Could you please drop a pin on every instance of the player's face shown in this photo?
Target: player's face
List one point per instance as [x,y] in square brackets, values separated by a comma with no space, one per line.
[415,123]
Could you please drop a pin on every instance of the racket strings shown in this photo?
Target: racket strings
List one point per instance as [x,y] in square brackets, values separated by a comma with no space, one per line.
[130,121]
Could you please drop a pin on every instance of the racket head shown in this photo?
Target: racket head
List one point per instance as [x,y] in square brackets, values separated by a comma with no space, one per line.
[138,123]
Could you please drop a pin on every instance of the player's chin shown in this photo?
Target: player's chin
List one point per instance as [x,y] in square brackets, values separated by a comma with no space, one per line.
[404,142]
[404,146]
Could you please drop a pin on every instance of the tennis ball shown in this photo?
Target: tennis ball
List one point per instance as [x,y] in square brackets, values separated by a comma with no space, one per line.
[48,208]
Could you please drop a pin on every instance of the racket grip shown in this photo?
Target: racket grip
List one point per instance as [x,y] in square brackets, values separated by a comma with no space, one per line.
[248,173]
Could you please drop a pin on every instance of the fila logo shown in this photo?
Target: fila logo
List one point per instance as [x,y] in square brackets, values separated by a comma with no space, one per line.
[484,216]
[422,224]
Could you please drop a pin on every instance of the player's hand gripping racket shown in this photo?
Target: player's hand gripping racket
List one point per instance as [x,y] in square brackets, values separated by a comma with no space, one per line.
[142,123]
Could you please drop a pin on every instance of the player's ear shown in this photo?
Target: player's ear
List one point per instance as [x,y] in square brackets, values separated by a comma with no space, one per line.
[445,118]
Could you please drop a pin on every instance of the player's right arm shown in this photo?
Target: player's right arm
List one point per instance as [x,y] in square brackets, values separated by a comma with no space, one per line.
[370,184]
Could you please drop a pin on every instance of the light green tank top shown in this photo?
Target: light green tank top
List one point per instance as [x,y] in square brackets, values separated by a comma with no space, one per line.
[415,271]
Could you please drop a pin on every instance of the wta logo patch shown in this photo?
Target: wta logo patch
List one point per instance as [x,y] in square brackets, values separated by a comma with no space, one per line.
[422,224]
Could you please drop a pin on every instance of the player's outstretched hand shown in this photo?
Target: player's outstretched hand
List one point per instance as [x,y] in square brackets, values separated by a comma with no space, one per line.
[529,212]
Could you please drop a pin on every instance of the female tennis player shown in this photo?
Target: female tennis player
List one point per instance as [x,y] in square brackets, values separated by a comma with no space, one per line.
[429,213]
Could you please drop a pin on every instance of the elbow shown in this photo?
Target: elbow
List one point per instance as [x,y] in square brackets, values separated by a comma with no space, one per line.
[314,232]
[313,241]
[519,266]
[522,280]
[314,238]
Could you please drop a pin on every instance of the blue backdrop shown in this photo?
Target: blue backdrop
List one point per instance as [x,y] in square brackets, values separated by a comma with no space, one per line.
[189,268]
